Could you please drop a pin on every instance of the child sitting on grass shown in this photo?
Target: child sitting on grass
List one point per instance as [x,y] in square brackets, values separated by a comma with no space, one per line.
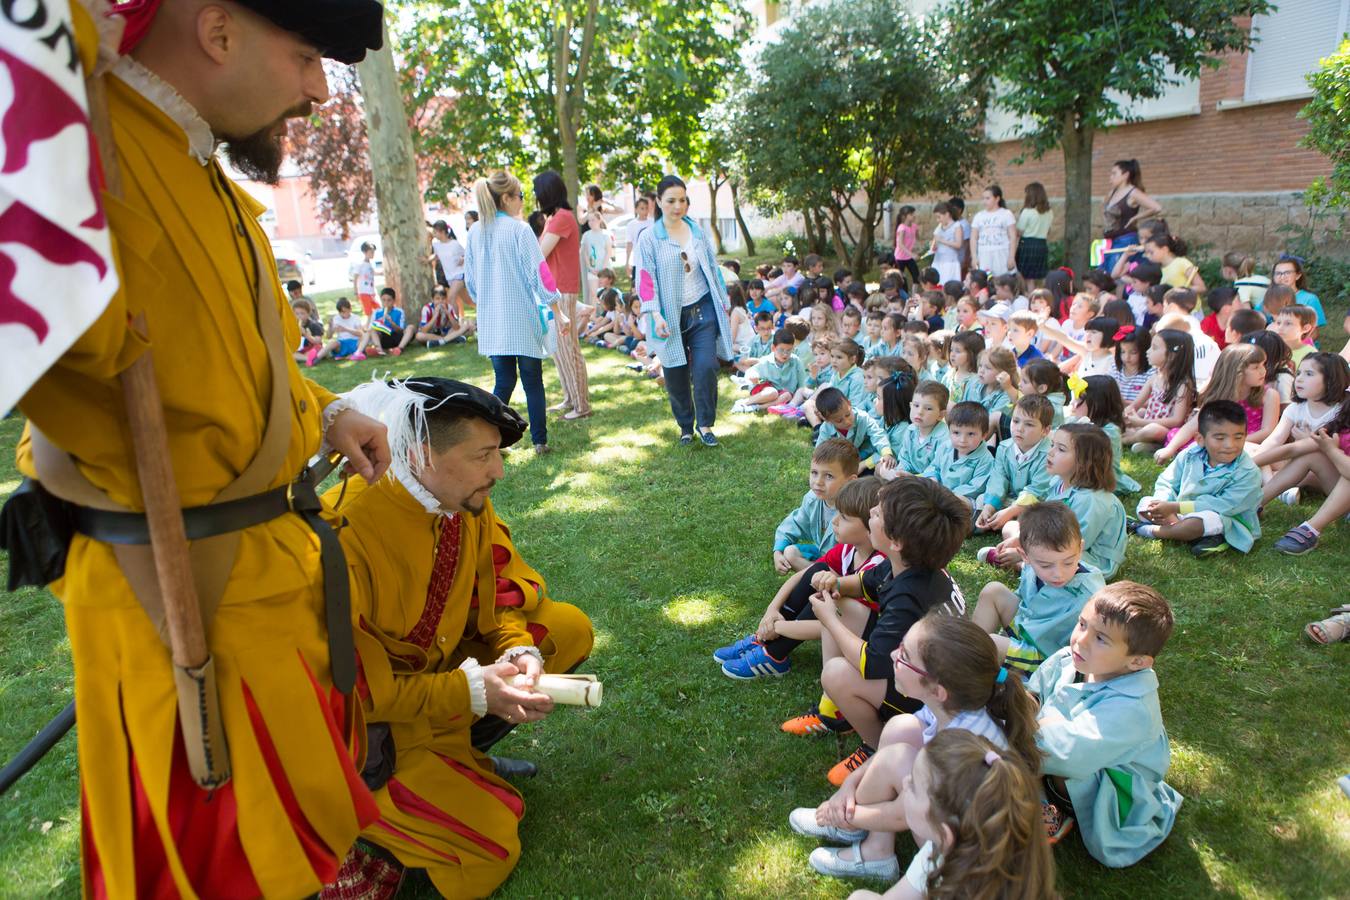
[1240,376]
[1132,368]
[1209,494]
[927,431]
[914,350]
[1023,327]
[778,377]
[919,526]
[1079,463]
[963,355]
[1101,727]
[761,345]
[893,395]
[840,418]
[1165,402]
[870,340]
[973,811]
[805,534]
[1295,325]
[951,666]
[1019,476]
[1095,352]
[962,463]
[1035,623]
[998,367]
[1098,401]
[790,620]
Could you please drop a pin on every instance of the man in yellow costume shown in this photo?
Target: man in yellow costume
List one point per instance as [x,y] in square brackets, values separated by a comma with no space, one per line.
[446,615]
[242,422]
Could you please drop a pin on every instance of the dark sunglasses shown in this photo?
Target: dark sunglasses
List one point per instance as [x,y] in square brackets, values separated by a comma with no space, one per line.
[685,257]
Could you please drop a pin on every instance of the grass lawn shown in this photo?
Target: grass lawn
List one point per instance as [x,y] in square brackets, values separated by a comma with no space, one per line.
[680,785]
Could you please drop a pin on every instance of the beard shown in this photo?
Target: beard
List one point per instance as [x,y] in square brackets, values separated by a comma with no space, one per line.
[258,156]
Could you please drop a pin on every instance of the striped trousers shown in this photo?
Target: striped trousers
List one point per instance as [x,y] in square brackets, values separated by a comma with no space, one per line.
[571,365]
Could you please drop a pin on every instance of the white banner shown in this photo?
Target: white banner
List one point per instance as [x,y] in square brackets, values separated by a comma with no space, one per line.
[56,272]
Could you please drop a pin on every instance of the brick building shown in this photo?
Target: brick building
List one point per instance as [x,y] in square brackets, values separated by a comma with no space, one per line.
[1220,152]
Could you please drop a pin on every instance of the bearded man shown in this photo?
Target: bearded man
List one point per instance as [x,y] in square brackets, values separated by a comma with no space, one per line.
[447,615]
[242,423]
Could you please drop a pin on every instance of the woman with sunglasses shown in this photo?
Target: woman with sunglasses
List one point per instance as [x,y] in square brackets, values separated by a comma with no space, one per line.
[684,310]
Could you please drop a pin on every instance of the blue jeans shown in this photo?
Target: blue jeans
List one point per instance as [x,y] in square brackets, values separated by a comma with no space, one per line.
[698,333]
[532,376]
[1109,257]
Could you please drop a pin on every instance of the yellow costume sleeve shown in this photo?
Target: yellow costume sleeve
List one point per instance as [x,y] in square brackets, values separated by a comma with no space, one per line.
[508,588]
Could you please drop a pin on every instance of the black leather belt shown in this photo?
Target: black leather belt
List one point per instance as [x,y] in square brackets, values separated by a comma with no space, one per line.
[300,497]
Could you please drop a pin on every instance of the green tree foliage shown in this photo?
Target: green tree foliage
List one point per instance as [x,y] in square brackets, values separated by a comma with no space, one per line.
[579,86]
[1068,70]
[1328,115]
[855,104]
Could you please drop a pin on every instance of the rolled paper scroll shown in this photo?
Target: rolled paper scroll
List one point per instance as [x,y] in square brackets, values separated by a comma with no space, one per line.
[568,690]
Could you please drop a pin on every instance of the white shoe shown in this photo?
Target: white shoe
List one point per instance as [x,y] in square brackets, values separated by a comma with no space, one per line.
[803,821]
[983,554]
[826,861]
[1289,497]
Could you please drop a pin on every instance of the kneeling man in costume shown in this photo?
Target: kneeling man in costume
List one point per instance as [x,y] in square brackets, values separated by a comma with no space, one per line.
[446,615]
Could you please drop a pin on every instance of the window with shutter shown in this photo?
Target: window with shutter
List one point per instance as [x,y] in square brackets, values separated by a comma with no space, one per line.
[1289,43]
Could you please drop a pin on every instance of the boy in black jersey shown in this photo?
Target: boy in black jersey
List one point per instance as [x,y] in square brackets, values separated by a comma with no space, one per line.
[919,525]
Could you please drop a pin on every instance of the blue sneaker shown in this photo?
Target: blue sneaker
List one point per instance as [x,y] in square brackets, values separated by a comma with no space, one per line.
[736,650]
[756,663]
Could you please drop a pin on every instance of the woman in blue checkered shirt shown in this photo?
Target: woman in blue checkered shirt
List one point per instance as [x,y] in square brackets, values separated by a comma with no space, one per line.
[684,302]
[519,321]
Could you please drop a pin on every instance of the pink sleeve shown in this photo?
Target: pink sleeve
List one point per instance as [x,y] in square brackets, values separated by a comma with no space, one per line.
[646,287]
[546,276]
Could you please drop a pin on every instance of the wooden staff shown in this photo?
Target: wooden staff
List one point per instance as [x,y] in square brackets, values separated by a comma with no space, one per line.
[194,671]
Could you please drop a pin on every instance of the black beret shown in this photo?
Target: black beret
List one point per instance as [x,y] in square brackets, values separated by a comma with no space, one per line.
[342,29]
[447,393]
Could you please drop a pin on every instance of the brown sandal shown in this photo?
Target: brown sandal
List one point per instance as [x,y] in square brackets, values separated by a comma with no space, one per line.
[1332,630]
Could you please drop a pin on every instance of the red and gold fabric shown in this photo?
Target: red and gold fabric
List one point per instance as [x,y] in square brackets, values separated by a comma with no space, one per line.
[428,592]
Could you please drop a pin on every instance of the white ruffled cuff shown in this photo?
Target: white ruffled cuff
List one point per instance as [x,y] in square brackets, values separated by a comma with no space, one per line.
[477,686]
[330,412]
[514,653]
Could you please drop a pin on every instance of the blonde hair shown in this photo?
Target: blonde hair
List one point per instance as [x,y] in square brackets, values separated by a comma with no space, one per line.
[488,193]
[831,320]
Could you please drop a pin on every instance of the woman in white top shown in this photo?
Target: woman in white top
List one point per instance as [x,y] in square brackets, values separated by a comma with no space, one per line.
[993,234]
[1033,228]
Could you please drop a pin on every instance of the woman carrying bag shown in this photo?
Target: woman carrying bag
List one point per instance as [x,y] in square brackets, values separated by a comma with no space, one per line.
[684,310]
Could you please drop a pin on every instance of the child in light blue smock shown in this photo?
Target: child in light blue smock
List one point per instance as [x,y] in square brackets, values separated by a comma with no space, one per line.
[1209,494]
[1019,476]
[1036,621]
[1079,462]
[840,418]
[1101,727]
[919,443]
[892,382]
[1097,400]
[962,463]
[806,533]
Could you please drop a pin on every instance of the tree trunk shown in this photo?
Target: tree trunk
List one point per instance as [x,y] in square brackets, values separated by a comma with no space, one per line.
[740,220]
[821,229]
[713,185]
[1077,146]
[837,235]
[570,90]
[398,196]
[862,254]
[810,227]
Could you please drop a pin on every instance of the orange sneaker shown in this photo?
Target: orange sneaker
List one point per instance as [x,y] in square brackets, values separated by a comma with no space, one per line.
[845,767]
[811,723]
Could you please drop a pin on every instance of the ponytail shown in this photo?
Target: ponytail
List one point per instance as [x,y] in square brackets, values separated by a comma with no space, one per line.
[1170,241]
[1011,705]
[991,804]
[488,193]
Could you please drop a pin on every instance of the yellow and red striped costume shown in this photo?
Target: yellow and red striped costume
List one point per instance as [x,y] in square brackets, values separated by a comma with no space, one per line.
[429,591]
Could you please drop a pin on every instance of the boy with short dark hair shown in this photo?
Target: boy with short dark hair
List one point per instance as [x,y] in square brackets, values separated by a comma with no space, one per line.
[1019,477]
[1277,297]
[761,345]
[1243,322]
[1101,727]
[1035,623]
[1222,303]
[930,280]
[842,418]
[1139,281]
[919,526]
[779,375]
[1209,494]
[789,619]
[926,433]
[963,462]
[804,534]
[871,342]
[388,332]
